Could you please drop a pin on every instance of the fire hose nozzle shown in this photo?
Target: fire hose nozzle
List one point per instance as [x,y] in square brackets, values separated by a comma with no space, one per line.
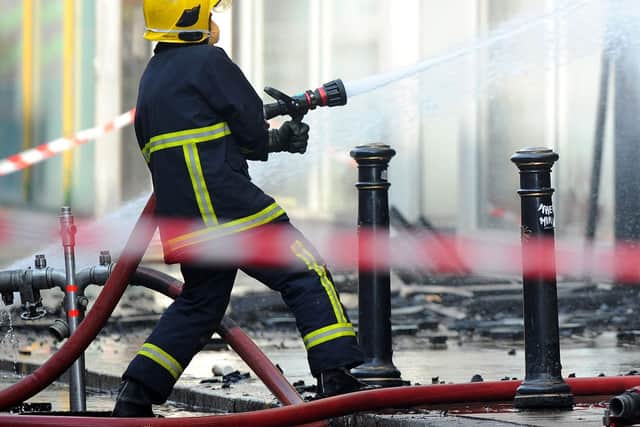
[331,94]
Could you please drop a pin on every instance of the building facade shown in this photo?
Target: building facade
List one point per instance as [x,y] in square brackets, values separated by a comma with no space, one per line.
[494,76]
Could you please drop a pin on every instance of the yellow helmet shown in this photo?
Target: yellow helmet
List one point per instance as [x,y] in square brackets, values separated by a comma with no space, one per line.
[180,21]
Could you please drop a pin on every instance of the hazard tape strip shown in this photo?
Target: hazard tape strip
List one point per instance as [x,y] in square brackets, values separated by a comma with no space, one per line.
[484,255]
[50,149]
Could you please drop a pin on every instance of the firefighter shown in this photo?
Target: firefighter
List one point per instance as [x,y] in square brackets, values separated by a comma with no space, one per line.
[198,121]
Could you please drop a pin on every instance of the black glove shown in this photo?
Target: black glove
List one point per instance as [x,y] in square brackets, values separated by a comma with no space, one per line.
[292,137]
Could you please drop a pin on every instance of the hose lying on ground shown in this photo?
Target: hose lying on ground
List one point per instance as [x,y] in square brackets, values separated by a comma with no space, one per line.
[127,271]
[96,318]
[341,405]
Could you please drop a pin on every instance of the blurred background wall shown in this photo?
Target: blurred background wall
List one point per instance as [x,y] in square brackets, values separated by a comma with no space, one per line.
[66,65]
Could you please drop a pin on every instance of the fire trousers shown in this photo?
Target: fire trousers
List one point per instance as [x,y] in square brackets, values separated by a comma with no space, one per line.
[306,287]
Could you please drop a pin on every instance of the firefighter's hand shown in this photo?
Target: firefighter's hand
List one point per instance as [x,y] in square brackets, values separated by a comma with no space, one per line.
[292,137]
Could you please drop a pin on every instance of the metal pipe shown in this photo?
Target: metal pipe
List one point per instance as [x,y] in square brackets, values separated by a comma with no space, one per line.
[41,279]
[94,275]
[596,165]
[77,388]
[29,283]
[68,93]
[95,320]
[374,287]
[27,53]
[8,281]
[626,150]
[125,272]
[228,330]
[543,386]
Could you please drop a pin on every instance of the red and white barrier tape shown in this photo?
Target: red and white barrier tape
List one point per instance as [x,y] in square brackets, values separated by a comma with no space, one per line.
[45,151]
[346,249]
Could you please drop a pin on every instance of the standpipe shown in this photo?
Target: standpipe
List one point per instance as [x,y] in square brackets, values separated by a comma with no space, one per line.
[95,320]
[77,388]
[48,278]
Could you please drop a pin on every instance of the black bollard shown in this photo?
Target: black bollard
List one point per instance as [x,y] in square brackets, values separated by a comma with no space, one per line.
[374,287]
[543,386]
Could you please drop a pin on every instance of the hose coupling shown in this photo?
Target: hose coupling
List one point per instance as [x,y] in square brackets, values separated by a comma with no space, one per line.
[624,409]
[59,330]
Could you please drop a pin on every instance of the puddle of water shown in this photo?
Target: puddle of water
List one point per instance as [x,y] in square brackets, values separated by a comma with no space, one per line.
[455,364]
[58,396]
[507,407]
[9,341]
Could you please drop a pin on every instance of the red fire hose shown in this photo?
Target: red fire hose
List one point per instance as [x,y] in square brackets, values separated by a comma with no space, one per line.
[96,318]
[232,334]
[291,415]
[235,337]
[104,306]
[339,406]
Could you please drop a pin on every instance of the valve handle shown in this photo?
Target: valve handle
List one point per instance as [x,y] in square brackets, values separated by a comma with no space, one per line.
[295,108]
[33,313]
[279,95]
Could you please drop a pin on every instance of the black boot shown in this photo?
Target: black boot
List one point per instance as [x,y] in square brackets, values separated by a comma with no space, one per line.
[333,382]
[133,401]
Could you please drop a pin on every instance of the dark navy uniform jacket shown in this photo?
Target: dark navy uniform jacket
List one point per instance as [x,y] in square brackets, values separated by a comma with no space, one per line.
[198,120]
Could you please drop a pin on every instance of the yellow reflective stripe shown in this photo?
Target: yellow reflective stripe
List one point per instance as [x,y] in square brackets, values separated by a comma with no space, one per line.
[301,252]
[207,197]
[307,257]
[192,158]
[187,133]
[265,216]
[191,136]
[162,358]
[160,362]
[328,333]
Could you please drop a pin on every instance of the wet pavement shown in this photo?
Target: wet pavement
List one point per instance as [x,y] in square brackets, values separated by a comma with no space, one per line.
[458,362]
[443,333]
